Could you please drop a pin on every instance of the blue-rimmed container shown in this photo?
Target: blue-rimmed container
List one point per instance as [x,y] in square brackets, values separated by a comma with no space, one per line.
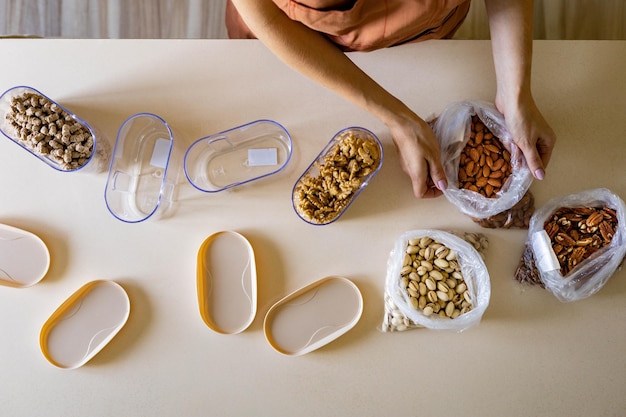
[327,201]
[237,156]
[98,158]
[141,181]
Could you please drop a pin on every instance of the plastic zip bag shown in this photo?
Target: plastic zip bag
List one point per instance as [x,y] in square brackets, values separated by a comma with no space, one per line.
[452,128]
[540,265]
[400,315]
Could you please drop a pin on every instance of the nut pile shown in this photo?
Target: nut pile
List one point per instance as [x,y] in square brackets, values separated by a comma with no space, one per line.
[46,129]
[322,198]
[484,164]
[576,233]
[433,282]
[517,216]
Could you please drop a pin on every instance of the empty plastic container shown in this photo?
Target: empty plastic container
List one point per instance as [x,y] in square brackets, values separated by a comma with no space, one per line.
[141,183]
[237,156]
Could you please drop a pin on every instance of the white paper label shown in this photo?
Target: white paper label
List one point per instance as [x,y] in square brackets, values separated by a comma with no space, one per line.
[546,259]
[160,153]
[262,157]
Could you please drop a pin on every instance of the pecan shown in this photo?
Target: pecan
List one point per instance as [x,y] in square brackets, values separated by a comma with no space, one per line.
[584,242]
[552,229]
[564,239]
[606,231]
[594,219]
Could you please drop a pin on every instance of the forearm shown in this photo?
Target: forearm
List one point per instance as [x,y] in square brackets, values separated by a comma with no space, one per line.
[314,56]
[510,23]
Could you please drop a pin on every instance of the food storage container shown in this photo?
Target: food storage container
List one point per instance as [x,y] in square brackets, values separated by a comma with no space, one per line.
[337,176]
[50,132]
[313,316]
[237,156]
[24,257]
[84,324]
[227,282]
[141,181]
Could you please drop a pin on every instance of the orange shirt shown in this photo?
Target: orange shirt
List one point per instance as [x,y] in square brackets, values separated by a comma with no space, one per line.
[365,25]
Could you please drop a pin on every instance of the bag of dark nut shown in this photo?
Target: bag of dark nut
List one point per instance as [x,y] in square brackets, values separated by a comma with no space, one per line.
[488,178]
[436,280]
[575,244]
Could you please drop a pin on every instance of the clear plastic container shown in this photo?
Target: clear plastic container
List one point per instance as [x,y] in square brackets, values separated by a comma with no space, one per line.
[141,183]
[337,176]
[237,156]
[313,316]
[44,135]
[84,324]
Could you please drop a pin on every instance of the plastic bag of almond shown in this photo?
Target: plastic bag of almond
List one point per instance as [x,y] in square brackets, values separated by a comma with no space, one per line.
[575,243]
[488,178]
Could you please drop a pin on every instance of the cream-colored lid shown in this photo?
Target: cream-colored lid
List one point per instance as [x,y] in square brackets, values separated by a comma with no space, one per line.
[24,257]
[313,316]
[84,324]
[227,282]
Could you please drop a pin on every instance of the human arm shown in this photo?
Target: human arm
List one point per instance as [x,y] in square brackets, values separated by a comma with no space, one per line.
[510,24]
[314,56]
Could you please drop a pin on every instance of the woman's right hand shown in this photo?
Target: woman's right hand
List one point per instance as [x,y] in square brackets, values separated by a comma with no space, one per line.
[420,156]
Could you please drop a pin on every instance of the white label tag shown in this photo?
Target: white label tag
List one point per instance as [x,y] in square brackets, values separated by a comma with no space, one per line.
[160,153]
[262,157]
[546,259]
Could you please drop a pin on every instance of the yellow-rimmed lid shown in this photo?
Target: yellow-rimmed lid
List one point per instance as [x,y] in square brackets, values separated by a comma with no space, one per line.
[85,323]
[313,316]
[227,282]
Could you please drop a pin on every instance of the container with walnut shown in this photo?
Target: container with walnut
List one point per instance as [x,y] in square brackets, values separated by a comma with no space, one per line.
[575,244]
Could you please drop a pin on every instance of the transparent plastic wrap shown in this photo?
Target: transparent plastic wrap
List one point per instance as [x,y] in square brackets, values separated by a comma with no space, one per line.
[575,243]
[436,280]
[497,192]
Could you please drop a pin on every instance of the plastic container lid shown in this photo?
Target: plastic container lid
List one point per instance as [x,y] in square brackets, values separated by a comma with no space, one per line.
[99,150]
[227,282]
[237,156]
[313,316]
[337,176]
[24,257]
[140,182]
[84,324]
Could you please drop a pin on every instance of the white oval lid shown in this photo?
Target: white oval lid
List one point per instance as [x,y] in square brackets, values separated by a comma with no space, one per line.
[313,316]
[84,324]
[24,257]
[227,282]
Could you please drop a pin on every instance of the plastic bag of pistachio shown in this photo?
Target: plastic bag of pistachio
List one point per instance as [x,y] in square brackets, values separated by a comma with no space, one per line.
[436,280]
[488,178]
[575,243]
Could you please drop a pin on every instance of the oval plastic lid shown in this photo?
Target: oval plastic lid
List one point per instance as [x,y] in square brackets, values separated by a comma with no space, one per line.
[24,257]
[313,172]
[8,131]
[237,156]
[84,324]
[226,281]
[139,181]
[313,316]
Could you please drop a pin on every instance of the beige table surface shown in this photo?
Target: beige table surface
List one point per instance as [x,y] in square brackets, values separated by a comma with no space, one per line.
[530,356]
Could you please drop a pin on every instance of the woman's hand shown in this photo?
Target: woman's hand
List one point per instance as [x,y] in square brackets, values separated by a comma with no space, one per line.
[420,157]
[530,132]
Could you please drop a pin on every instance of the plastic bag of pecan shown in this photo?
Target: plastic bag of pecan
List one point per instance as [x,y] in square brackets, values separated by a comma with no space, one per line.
[488,178]
[575,243]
